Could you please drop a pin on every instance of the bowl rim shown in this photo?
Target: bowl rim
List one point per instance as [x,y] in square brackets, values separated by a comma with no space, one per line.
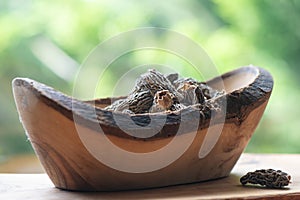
[238,104]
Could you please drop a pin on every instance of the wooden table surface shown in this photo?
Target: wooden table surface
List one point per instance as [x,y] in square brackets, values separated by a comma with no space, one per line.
[39,186]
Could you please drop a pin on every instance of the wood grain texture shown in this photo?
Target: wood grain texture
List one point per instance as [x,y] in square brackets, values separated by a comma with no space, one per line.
[35,187]
[61,143]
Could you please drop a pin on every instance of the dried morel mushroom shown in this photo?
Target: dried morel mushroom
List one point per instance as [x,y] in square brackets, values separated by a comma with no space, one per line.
[267,177]
[163,100]
[154,92]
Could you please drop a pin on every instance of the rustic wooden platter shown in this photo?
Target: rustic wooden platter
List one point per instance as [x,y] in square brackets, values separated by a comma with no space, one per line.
[66,137]
[35,187]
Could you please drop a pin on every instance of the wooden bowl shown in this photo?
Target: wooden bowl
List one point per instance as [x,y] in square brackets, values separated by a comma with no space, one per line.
[82,147]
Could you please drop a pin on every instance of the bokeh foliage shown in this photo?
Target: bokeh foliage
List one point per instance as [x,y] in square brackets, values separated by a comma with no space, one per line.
[234,33]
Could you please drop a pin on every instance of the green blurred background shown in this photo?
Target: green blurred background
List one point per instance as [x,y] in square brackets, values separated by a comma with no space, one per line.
[48,40]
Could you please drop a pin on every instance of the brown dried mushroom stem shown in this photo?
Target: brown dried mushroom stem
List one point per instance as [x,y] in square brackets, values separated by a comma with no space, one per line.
[163,100]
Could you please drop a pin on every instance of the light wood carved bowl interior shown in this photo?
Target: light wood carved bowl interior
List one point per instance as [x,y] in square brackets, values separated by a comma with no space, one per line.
[82,147]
